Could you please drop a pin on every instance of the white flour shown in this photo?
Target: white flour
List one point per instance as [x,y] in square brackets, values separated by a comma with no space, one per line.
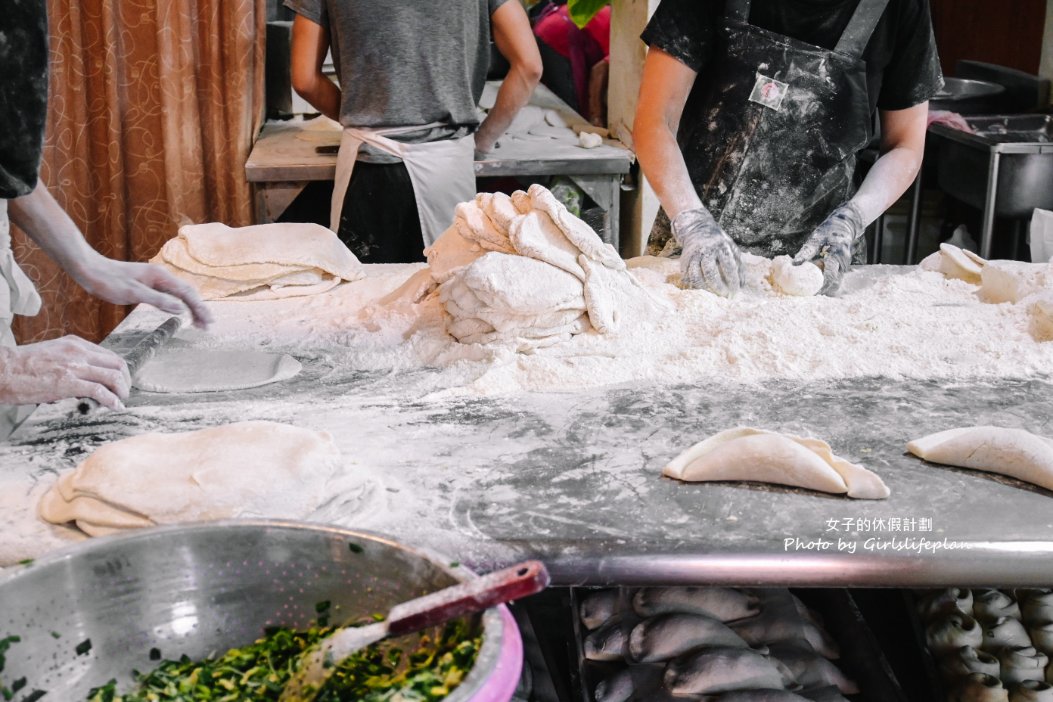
[898,323]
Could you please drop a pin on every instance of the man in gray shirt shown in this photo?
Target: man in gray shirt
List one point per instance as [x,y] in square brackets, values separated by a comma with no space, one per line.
[411,74]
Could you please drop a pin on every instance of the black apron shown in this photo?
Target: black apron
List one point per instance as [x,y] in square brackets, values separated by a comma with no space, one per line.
[775,152]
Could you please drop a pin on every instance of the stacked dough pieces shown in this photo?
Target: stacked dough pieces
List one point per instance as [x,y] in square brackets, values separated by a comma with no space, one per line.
[523,269]
[246,469]
[262,262]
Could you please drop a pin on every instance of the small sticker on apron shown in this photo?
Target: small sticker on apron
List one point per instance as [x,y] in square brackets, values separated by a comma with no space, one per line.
[769,92]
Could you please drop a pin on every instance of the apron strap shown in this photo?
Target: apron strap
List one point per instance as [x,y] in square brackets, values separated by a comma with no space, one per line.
[738,10]
[860,28]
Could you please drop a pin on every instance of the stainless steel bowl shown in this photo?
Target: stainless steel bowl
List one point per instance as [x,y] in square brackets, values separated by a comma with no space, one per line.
[204,588]
[967,97]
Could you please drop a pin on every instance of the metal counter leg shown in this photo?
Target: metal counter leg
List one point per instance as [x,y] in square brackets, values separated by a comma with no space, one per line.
[605,190]
[989,205]
[910,252]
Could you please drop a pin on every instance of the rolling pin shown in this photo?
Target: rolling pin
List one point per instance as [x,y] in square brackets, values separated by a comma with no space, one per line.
[139,354]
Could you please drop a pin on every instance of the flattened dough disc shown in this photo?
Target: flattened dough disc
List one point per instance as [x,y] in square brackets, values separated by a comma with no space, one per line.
[204,370]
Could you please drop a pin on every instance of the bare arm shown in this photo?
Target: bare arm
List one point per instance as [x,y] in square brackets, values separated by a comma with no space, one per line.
[664,89]
[517,44]
[119,282]
[902,146]
[310,42]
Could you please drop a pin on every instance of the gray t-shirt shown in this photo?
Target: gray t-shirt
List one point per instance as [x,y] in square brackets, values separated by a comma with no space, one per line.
[404,63]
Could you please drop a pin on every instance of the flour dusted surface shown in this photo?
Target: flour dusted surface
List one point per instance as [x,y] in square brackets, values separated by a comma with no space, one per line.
[893,322]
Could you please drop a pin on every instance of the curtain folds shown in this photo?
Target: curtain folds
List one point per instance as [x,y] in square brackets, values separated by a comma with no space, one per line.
[153,108]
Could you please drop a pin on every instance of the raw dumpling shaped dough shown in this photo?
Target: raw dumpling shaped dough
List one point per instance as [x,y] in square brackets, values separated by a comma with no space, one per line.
[247,469]
[978,687]
[763,456]
[1013,452]
[954,262]
[1032,691]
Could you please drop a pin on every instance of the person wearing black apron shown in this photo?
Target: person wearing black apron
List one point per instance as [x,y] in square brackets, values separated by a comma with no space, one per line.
[68,367]
[765,144]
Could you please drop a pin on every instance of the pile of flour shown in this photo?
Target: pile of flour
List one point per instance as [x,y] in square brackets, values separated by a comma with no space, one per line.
[892,322]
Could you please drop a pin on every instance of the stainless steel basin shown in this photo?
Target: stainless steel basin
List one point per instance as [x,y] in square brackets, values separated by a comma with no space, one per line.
[201,589]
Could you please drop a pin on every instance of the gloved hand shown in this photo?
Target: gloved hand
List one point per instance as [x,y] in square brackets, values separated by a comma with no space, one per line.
[832,243]
[710,259]
[55,370]
[125,283]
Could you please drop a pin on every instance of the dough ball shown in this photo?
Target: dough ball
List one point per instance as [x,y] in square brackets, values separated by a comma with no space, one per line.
[804,280]
[587,140]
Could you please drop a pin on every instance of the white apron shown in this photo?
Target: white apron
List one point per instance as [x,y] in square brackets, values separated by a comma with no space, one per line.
[442,173]
[17,296]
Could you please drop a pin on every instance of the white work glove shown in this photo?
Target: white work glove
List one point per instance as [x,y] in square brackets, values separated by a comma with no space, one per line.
[709,258]
[125,283]
[831,242]
[62,368]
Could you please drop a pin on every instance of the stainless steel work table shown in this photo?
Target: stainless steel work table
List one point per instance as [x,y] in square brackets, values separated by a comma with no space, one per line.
[288,155]
[574,478]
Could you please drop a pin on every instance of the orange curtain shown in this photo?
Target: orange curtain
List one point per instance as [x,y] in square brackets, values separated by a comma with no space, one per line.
[153,108]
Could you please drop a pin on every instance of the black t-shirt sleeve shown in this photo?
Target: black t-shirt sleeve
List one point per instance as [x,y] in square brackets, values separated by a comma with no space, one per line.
[913,74]
[23,94]
[684,29]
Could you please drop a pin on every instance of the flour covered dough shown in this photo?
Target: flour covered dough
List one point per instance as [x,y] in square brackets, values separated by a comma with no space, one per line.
[266,261]
[756,455]
[204,370]
[802,280]
[1013,452]
[953,262]
[246,469]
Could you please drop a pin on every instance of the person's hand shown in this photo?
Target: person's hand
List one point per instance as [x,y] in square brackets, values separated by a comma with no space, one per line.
[125,283]
[831,242]
[484,145]
[710,259]
[61,368]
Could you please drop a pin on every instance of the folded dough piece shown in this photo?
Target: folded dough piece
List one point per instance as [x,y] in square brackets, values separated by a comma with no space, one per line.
[263,262]
[580,234]
[1012,281]
[293,244]
[499,208]
[176,253]
[535,235]
[954,262]
[1013,452]
[521,201]
[451,252]
[256,468]
[523,284]
[281,292]
[757,455]
[475,225]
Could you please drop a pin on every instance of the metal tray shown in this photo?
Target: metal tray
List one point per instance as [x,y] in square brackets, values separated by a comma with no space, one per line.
[861,656]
